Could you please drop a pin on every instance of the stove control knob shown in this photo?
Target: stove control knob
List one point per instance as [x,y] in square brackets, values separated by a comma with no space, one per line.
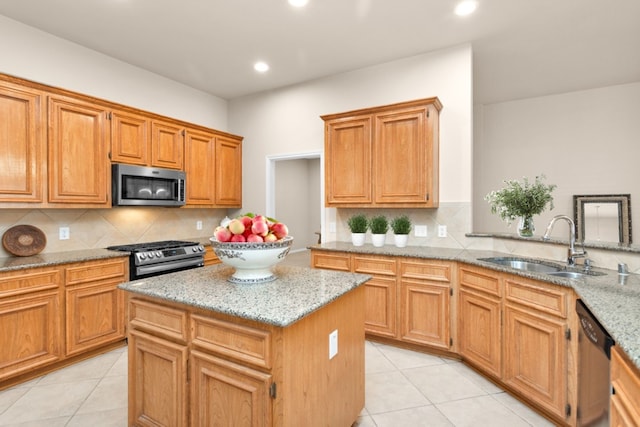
[159,254]
[201,248]
[142,256]
[150,255]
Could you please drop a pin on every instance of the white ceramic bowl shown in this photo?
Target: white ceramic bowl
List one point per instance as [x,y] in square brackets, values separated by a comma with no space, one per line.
[252,261]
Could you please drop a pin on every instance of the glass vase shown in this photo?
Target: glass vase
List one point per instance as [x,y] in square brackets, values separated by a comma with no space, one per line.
[526,227]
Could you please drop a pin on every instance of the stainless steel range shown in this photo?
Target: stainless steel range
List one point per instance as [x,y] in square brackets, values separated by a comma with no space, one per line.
[155,258]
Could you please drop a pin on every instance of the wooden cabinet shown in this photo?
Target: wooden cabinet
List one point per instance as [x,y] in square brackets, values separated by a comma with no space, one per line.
[383,156]
[535,323]
[625,383]
[228,171]
[380,309]
[425,302]
[31,316]
[480,319]
[94,304]
[195,367]
[22,144]
[167,145]
[129,138]
[210,257]
[78,162]
[200,167]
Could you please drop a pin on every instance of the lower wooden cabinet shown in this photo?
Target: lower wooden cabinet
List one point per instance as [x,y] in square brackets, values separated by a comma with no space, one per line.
[210,257]
[625,383]
[51,315]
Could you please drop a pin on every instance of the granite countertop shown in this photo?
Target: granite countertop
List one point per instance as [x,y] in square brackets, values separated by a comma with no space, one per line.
[297,292]
[56,258]
[615,305]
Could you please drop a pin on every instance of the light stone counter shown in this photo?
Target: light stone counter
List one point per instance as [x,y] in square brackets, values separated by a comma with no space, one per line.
[56,258]
[296,292]
[615,305]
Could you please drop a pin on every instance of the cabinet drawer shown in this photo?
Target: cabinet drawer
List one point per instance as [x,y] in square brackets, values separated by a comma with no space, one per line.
[540,296]
[158,320]
[240,342]
[375,265]
[99,270]
[426,270]
[477,279]
[331,261]
[30,280]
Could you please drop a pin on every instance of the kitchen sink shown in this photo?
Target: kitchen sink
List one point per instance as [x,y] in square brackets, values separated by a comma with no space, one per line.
[544,267]
[524,264]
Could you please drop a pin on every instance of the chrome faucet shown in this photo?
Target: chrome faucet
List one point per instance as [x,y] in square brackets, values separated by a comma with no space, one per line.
[572,253]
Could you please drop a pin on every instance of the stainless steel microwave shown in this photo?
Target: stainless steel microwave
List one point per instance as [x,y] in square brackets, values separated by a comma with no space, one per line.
[147,186]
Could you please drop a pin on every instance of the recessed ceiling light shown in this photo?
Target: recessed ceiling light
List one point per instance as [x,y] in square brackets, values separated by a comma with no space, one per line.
[466,7]
[261,67]
[298,3]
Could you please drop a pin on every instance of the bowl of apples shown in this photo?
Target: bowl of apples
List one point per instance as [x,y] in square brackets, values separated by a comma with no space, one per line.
[252,244]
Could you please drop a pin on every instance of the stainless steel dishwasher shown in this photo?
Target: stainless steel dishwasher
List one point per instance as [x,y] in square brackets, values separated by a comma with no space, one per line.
[594,384]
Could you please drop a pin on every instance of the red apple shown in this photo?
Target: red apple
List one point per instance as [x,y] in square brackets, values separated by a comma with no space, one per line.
[238,238]
[255,238]
[270,237]
[222,234]
[260,228]
[280,230]
[246,220]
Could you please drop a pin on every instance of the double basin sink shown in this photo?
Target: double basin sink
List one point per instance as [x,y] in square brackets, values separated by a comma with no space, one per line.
[543,267]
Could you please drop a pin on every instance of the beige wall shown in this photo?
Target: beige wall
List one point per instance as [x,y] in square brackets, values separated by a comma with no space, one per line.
[585,142]
[287,121]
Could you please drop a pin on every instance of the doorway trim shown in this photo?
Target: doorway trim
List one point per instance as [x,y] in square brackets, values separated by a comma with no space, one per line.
[271,180]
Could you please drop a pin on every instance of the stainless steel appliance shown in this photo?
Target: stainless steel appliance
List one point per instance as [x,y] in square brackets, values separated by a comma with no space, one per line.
[156,258]
[594,355]
[145,186]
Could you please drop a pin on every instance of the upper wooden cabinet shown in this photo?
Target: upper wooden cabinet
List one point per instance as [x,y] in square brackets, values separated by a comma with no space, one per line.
[22,144]
[129,138]
[228,160]
[167,145]
[78,143]
[383,156]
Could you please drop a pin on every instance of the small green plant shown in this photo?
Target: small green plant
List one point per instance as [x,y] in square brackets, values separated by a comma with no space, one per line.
[401,225]
[518,199]
[379,224]
[358,223]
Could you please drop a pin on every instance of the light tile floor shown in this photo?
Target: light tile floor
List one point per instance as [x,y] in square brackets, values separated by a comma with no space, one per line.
[403,388]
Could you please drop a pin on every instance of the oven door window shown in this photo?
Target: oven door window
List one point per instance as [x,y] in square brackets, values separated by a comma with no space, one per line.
[140,188]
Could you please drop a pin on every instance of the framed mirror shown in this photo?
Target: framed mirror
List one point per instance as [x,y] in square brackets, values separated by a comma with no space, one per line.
[603,218]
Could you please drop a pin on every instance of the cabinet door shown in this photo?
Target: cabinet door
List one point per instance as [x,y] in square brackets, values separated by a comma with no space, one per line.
[348,157]
[210,257]
[403,158]
[31,332]
[224,393]
[625,400]
[129,139]
[479,337]
[22,144]
[167,145]
[535,357]
[200,168]
[228,180]
[78,164]
[95,316]
[380,306]
[425,314]
[158,383]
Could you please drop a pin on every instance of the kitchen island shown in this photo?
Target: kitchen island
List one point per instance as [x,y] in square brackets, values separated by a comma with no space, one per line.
[204,351]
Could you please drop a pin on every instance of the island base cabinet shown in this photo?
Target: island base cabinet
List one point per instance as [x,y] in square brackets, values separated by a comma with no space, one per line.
[625,383]
[157,381]
[224,393]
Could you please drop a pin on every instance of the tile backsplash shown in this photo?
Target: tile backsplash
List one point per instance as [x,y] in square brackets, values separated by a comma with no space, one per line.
[99,228]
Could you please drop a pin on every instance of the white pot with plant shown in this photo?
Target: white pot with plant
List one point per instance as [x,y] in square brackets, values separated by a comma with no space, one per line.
[521,200]
[401,226]
[358,224]
[379,225]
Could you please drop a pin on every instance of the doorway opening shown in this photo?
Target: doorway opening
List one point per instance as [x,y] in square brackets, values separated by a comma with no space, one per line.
[294,195]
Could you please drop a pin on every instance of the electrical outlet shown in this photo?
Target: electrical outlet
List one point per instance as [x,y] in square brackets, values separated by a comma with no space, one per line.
[420,231]
[64,233]
[198,225]
[333,344]
[442,231]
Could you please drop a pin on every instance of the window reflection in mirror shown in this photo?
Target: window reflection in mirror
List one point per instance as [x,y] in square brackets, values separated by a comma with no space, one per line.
[603,218]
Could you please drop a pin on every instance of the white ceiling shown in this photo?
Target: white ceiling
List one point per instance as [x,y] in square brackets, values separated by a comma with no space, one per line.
[521,48]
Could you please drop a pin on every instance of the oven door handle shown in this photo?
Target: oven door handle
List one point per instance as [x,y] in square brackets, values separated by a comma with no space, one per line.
[169,266]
